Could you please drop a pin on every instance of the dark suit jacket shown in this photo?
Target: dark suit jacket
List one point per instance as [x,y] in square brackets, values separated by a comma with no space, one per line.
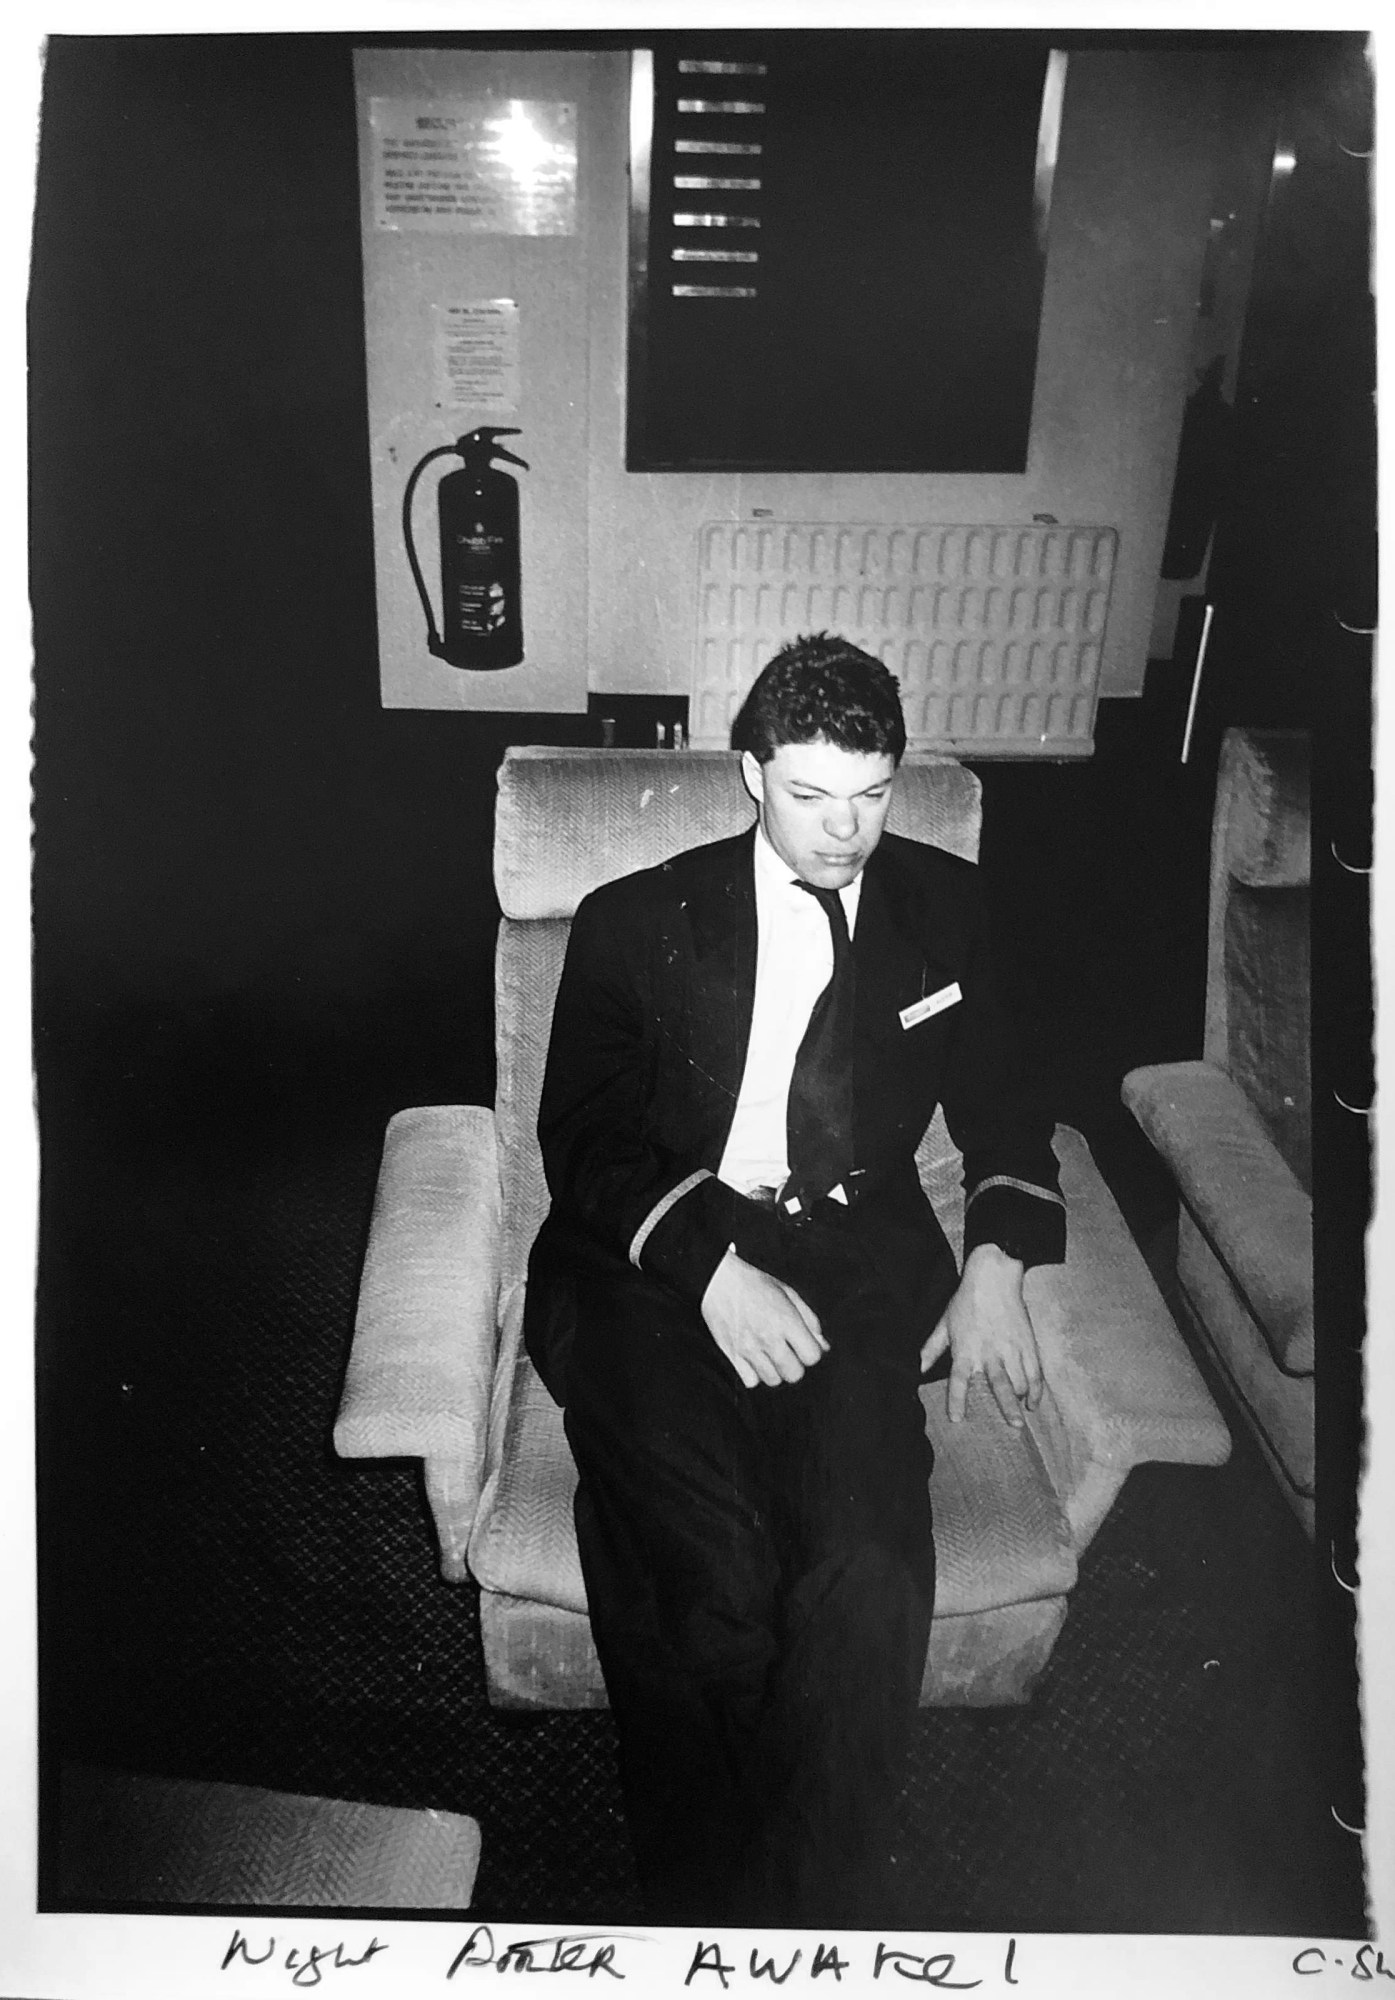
[649,1043]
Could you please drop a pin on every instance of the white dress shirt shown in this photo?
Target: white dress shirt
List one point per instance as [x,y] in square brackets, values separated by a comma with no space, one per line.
[794,962]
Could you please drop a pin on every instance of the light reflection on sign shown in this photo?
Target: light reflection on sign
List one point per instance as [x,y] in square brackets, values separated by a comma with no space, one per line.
[491,166]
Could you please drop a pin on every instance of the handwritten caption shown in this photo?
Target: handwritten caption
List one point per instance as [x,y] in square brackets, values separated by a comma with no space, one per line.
[929,1968]
[713,1966]
[598,1954]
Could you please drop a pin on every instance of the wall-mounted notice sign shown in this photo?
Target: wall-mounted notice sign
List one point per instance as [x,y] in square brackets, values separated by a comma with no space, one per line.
[476,354]
[491,166]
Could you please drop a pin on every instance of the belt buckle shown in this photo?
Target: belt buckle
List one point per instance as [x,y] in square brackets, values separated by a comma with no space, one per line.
[839,1198]
[796,1207]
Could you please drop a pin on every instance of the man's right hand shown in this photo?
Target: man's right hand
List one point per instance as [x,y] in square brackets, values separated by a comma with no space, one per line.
[763,1327]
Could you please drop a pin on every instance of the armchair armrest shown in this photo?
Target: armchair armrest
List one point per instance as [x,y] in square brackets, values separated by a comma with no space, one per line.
[1121,1387]
[422,1361]
[1245,1198]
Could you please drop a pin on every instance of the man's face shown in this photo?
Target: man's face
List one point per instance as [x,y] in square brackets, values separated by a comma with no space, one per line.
[822,807]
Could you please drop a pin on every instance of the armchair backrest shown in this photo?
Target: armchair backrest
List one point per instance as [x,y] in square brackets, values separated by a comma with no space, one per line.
[1258,959]
[568,820]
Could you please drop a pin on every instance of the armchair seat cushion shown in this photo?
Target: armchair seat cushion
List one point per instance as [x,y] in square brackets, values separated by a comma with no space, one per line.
[1000,1534]
[1245,1199]
[524,1543]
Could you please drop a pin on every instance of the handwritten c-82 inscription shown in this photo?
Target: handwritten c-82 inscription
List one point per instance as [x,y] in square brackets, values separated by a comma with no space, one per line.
[1366,1962]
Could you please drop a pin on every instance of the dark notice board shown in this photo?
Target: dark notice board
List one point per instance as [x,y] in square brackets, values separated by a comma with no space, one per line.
[877,295]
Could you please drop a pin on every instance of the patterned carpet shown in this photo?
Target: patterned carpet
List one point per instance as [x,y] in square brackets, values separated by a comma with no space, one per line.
[226,1600]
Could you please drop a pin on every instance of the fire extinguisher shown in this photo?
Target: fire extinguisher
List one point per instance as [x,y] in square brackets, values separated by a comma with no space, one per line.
[481,611]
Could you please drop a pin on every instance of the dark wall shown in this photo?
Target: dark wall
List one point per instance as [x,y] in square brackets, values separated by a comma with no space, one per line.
[255,887]
[249,878]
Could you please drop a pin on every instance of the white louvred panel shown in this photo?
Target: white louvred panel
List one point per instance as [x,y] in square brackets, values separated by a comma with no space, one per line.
[994,632]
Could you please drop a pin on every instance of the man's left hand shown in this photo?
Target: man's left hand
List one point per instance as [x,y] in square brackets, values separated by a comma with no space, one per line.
[988,1332]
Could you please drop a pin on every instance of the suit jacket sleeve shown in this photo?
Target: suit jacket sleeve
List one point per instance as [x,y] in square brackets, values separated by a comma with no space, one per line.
[1011,1177]
[608,1167]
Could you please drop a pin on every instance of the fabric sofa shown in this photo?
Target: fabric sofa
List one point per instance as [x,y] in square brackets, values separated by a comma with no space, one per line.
[1235,1128]
[437,1369]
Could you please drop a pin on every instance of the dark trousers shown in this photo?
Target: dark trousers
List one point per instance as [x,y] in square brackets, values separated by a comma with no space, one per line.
[760,1573]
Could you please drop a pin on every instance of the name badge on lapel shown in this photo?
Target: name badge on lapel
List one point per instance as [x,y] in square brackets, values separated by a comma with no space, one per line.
[933,1003]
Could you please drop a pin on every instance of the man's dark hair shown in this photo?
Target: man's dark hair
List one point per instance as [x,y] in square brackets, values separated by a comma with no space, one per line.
[821,688]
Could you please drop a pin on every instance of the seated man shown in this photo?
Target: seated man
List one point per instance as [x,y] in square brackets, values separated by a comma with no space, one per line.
[740,1285]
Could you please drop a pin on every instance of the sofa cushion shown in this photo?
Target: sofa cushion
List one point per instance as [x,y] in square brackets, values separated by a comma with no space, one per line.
[129,1838]
[568,820]
[1246,1200]
[1266,959]
[1267,838]
[1278,1407]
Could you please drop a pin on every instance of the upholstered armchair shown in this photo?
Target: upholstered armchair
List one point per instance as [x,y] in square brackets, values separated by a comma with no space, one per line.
[1235,1128]
[437,1369]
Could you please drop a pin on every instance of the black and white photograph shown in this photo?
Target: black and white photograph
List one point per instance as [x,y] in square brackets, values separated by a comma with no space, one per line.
[703,1041]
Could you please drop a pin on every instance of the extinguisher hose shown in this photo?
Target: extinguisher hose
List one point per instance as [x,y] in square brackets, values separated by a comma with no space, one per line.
[434,643]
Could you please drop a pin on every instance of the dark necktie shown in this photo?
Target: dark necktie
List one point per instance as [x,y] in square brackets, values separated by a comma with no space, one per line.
[819,1121]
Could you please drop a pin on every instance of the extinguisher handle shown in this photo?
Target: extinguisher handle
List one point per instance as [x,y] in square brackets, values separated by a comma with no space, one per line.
[481,445]
[434,643]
